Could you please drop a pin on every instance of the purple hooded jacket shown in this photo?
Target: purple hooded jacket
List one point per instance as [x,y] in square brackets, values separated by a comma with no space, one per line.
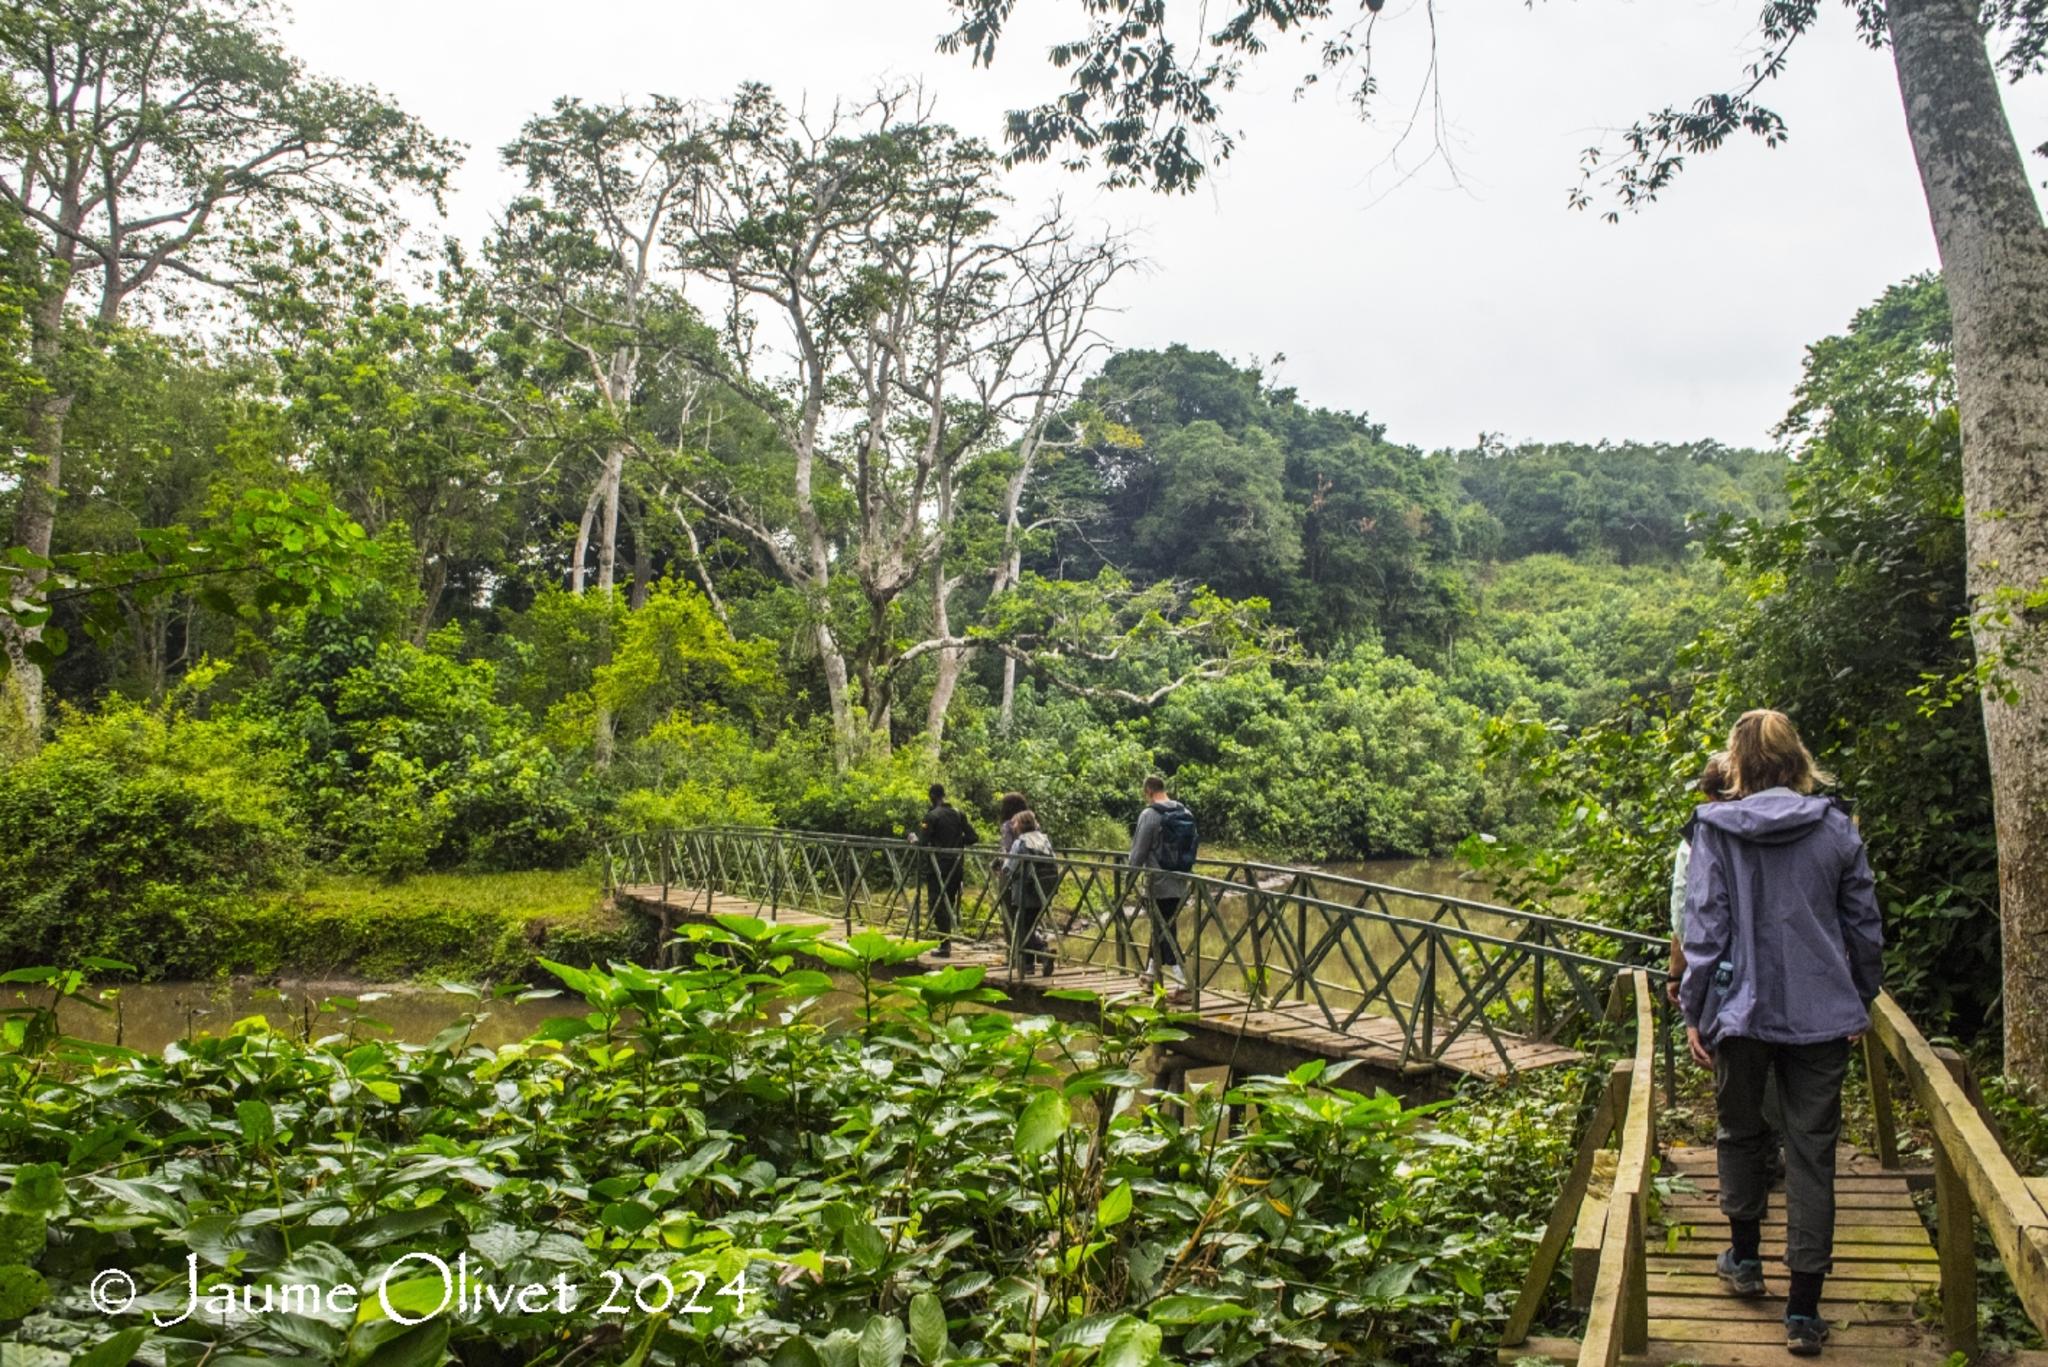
[1780,889]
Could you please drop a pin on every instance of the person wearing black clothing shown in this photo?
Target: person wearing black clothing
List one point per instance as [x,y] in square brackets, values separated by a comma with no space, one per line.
[945,831]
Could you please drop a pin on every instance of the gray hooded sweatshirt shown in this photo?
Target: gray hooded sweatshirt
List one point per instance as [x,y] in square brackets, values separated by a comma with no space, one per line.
[1780,890]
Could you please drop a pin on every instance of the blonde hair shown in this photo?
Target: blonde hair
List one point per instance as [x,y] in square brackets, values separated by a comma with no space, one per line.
[1764,751]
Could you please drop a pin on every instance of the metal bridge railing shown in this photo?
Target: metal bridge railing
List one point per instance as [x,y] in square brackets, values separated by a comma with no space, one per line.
[1441,973]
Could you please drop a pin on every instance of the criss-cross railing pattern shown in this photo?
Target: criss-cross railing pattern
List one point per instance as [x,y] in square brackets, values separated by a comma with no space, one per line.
[1336,952]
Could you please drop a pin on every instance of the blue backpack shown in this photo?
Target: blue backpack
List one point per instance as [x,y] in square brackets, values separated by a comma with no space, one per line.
[1179,839]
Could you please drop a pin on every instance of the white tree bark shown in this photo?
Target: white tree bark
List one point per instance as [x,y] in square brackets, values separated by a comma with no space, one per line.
[580,557]
[1994,258]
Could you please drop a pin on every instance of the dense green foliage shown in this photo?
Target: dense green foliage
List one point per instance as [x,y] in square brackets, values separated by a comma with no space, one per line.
[1849,621]
[979,1187]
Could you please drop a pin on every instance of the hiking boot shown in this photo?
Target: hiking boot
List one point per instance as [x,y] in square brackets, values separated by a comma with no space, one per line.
[1179,995]
[1804,1335]
[944,951]
[1744,1278]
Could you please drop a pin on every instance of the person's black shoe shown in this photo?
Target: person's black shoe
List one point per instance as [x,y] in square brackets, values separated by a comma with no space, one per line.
[1743,1277]
[944,951]
[1804,1335]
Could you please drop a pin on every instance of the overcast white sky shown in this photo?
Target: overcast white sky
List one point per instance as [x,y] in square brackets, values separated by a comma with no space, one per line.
[1442,309]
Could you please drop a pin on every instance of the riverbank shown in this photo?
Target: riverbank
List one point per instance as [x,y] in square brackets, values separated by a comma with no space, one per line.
[475,927]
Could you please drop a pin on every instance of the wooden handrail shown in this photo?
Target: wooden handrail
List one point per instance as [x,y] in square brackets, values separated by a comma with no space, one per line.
[1619,1320]
[1972,1178]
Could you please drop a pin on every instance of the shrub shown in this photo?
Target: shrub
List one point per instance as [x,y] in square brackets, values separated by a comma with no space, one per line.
[405,762]
[128,826]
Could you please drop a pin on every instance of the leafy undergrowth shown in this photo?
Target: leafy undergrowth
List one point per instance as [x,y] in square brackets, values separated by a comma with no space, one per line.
[485,926]
[922,1180]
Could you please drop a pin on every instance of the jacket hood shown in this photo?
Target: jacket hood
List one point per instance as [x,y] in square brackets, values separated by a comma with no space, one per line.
[1776,816]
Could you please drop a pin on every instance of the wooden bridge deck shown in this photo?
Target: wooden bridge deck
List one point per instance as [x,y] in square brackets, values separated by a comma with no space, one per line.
[1643,1256]
[1884,1261]
[1225,1029]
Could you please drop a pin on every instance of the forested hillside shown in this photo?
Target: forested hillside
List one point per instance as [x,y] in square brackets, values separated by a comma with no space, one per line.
[1310,625]
[758,469]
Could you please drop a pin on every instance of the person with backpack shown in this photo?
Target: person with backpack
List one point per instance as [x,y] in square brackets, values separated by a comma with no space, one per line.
[1030,877]
[1163,849]
[944,832]
[1784,951]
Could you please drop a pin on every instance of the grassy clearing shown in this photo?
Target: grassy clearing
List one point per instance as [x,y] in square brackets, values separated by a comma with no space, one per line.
[486,926]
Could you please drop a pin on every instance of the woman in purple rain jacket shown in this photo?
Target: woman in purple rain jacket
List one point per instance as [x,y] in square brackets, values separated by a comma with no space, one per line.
[1782,960]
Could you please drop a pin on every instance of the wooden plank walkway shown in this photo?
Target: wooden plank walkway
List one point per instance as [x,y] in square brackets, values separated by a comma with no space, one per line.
[1226,1029]
[1884,1261]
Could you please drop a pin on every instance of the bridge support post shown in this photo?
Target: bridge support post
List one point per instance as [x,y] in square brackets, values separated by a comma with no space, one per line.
[1881,1100]
[1955,1235]
[1429,994]
[1300,951]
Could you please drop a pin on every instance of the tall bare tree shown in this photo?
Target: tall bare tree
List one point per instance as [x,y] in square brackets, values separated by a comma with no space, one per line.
[139,139]
[875,305]
[581,261]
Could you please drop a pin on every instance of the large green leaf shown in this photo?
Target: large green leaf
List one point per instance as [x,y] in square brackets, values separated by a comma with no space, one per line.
[1115,1207]
[419,1346]
[115,1351]
[1188,1309]
[1044,1119]
[882,1342]
[928,1328]
[1131,1342]
[256,1120]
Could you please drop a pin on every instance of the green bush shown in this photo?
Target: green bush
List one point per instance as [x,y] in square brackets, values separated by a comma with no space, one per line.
[127,828]
[405,761]
[878,795]
[1080,771]
[1369,755]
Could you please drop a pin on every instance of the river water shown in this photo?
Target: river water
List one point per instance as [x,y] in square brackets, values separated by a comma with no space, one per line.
[148,1016]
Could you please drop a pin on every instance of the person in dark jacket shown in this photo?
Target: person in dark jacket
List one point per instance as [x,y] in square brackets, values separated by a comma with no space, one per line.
[944,832]
[1783,956]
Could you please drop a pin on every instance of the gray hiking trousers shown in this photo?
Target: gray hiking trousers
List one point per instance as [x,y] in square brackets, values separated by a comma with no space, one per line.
[1809,1078]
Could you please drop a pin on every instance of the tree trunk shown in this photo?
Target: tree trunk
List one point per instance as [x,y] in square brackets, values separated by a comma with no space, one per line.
[1008,711]
[35,511]
[432,591]
[643,559]
[836,694]
[951,662]
[1013,570]
[582,552]
[1994,259]
[608,539]
[703,569]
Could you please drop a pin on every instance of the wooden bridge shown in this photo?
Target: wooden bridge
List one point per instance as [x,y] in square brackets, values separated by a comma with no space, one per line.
[1283,964]
[1286,964]
[1642,1264]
